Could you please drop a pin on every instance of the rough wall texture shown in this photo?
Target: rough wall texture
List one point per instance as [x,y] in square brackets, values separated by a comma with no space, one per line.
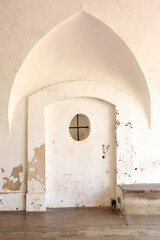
[80,173]
[24,23]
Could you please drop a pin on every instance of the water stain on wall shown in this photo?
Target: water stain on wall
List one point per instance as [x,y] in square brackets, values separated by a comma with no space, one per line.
[36,169]
[9,183]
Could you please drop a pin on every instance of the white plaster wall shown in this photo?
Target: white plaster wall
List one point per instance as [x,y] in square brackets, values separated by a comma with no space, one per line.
[13,152]
[89,89]
[79,173]
[81,47]
[20,28]
[136,22]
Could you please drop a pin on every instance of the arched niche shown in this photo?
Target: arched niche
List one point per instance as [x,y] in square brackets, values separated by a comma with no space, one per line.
[81,47]
[38,102]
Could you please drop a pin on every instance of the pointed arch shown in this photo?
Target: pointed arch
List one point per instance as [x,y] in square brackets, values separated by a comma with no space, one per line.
[80,48]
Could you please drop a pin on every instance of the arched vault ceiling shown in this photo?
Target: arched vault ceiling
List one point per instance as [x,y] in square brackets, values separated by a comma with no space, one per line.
[80,48]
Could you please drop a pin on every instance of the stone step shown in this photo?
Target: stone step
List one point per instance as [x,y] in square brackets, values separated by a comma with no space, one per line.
[139,199]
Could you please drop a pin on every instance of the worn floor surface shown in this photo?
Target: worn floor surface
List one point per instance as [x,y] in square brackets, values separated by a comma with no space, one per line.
[78,224]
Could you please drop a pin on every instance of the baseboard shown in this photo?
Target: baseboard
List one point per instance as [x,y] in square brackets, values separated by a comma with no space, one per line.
[35,202]
[12,201]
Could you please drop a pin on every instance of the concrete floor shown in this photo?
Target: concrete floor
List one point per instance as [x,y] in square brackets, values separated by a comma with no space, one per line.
[78,223]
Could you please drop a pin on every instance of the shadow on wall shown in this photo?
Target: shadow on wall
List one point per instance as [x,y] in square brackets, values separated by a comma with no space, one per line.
[81,47]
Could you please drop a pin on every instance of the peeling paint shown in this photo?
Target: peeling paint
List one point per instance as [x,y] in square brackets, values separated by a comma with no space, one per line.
[117,123]
[10,184]
[129,124]
[117,112]
[16,171]
[37,165]
[25,178]
[105,149]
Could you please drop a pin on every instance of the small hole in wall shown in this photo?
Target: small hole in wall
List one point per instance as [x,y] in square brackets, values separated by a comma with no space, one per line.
[113,202]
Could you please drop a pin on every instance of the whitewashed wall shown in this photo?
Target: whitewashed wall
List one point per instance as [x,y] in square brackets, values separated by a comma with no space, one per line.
[38,131]
[137,23]
[80,173]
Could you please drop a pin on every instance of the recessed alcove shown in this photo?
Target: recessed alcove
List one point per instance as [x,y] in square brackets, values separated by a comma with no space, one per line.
[45,126]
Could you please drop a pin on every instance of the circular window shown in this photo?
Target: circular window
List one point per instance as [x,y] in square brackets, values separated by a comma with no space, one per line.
[79,127]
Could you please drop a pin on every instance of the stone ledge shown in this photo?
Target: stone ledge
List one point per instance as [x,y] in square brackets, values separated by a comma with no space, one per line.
[139,199]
